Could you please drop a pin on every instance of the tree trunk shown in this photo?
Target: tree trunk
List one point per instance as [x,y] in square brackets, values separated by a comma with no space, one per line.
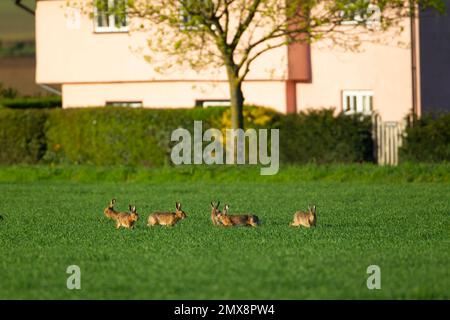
[236,101]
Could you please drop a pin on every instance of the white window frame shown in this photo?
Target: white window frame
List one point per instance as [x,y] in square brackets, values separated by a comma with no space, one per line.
[124,104]
[111,22]
[213,103]
[357,101]
[356,19]
[184,19]
[373,17]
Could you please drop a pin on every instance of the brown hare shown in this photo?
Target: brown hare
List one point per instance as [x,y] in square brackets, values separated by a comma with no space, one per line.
[214,212]
[237,220]
[305,219]
[125,219]
[109,210]
[167,218]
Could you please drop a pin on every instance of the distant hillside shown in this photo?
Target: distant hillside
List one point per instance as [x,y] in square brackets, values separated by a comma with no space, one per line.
[15,23]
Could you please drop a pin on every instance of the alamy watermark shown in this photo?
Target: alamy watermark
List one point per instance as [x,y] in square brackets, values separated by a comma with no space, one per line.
[74,280]
[374,280]
[235,147]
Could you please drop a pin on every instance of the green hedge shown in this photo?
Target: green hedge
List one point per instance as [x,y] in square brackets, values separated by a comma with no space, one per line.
[17,49]
[22,136]
[7,93]
[427,139]
[32,103]
[125,136]
[322,137]
[111,136]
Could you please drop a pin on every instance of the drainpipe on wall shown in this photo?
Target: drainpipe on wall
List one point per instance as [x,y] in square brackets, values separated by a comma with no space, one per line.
[291,97]
[299,71]
[414,63]
[49,89]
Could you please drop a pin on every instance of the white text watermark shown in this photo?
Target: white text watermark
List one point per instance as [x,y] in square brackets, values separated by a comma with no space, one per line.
[242,147]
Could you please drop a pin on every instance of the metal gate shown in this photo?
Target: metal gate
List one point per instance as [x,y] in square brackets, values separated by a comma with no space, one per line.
[387,138]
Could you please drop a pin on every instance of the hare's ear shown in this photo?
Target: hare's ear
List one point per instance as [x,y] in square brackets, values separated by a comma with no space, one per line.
[212,205]
[314,209]
[218,204]
[113,201]
[133,209]
[178,205]
[129,207]
[226,207]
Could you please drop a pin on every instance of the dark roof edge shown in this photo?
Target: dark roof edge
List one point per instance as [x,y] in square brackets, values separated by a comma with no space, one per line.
[24,7]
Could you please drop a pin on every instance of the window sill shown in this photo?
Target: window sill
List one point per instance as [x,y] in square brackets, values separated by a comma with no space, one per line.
[363,113]
[103,31]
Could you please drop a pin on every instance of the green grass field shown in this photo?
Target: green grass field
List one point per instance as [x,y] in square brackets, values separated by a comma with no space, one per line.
[48,225]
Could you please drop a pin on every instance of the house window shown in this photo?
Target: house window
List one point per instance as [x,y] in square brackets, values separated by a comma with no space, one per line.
[212,103]
[187,20]
[128,104]
[185,17]
[351,18]
[357,101]
[110,16]
[361,11]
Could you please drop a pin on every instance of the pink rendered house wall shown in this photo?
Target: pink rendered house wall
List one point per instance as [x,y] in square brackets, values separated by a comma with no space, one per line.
[96,68]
